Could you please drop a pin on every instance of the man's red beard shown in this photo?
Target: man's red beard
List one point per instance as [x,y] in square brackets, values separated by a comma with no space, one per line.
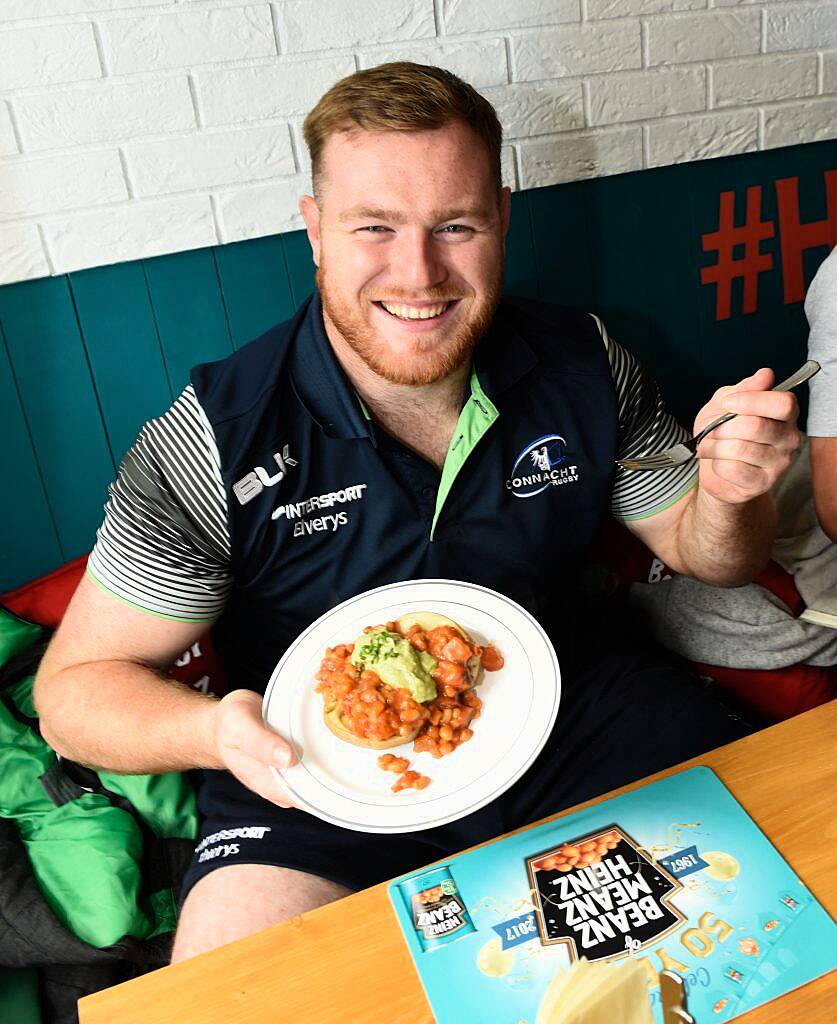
[428,360]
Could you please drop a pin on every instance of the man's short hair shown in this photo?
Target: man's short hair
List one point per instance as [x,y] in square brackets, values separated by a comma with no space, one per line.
[402,97]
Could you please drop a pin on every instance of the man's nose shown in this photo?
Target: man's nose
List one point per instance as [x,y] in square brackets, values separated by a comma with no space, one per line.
[420,263]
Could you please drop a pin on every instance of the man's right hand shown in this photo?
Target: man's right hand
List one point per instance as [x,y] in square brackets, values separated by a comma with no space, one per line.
[248,748]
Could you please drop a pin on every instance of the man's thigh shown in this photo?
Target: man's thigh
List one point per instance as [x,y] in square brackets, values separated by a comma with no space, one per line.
[626,717]
[241,899]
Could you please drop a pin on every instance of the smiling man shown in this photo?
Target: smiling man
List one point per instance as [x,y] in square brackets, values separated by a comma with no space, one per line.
[407,423]
[417,326]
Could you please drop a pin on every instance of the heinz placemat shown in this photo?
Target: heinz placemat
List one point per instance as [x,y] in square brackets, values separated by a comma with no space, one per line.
[675,875]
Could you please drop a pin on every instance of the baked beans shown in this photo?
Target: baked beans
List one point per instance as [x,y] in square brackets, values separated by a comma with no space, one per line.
[429,895]
[370,709]
[410,780]
[391,763]
[580,855]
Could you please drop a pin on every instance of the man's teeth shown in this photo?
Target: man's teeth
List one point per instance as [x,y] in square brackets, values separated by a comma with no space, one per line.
[415,312]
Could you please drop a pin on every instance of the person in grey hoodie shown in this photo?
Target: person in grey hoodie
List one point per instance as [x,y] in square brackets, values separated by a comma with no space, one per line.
[749,627]
[821,310]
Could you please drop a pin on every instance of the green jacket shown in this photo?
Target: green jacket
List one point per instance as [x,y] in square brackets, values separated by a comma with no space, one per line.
[107,851]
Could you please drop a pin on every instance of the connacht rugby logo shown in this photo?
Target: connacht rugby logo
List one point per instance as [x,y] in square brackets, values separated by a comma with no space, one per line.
[543,463]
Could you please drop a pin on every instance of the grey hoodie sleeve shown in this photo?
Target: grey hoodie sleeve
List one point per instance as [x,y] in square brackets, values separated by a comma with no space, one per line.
[740,627]
[821,310]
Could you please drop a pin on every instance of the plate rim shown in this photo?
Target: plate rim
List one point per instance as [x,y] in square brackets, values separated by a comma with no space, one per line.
[444,819]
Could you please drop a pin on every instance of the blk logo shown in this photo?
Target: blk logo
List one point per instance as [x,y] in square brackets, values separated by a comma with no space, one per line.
[252,485]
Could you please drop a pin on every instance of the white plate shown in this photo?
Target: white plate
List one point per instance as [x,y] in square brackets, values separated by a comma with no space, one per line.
[344,785]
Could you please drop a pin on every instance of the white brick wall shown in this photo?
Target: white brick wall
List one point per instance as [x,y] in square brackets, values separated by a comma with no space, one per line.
[800,26]
[580,155]
[131,128]
[705,36]
[761,79]
[677,140]
[232,95]
[829,68]
[23,252]
[642,95]
[104,112]
[491,15]
[117,234]
[815,118]
[160,41]
[621,8]
[540,108]
[8,143]
[482,62]
[327,24]
[577,50]
[205,159]
[243,213]
[46,184]
[48,55]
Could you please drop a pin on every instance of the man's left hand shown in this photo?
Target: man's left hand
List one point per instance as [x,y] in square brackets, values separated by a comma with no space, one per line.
[743,458]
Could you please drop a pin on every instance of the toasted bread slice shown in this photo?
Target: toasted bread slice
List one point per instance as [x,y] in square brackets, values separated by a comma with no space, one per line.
[335,724]
[427,621]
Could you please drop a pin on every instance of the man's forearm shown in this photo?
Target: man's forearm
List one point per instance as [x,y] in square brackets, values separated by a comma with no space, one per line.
[725,545]
[127,718]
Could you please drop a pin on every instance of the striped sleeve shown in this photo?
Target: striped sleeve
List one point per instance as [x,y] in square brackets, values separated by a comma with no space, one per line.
[164,545]
[645,427]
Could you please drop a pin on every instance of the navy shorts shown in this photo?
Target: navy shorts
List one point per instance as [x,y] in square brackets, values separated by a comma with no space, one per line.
[622,716]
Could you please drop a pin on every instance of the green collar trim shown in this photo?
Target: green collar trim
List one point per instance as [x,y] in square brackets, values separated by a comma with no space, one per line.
[366,413]
[477,415]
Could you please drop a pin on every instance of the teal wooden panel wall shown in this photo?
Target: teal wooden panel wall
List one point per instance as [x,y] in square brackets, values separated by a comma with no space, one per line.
[255,286]
[61,409]
[119,331]
[30,542]
[88,357]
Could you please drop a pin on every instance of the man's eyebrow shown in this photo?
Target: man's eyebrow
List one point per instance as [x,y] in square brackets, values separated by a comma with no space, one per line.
[396,217]
[372,213]
[463,213]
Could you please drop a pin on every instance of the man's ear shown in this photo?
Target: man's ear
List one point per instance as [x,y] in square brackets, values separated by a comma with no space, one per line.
[505,209]
[311,215]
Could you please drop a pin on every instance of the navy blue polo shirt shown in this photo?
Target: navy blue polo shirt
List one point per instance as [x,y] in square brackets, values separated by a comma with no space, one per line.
[323,504]
[266,495]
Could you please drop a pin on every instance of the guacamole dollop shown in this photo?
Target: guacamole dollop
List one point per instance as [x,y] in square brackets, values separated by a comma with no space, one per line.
[397,662]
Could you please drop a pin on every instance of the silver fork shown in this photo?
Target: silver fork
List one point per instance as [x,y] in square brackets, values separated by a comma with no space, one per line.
[685,451]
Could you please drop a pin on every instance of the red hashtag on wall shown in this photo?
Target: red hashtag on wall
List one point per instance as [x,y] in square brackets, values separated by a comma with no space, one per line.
[750,265]
[796,237]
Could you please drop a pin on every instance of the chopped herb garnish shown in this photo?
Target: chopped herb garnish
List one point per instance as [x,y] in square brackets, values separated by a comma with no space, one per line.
[372,651]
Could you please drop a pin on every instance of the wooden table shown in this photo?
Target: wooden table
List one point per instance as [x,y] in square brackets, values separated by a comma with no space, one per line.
[348,961]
